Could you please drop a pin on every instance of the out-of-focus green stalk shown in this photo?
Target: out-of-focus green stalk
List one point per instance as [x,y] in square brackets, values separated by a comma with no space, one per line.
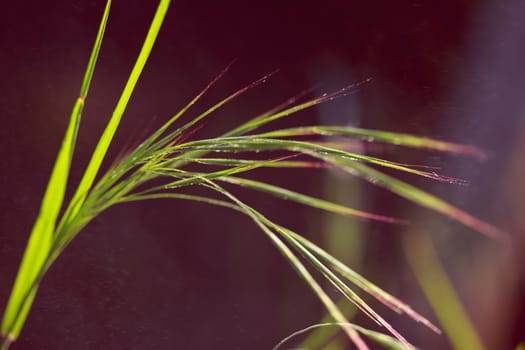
[440,292]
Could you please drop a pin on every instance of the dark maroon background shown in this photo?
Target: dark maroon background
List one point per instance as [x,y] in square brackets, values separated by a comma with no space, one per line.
[169,275]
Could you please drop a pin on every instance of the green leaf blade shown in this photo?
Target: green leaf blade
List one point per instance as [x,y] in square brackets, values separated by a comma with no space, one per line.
[307,200]
[371,135]
[42,235]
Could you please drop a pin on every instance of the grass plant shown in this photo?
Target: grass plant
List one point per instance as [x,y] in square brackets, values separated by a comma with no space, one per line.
[168,156]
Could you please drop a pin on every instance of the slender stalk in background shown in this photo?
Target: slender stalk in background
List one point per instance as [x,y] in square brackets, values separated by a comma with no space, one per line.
[439,291]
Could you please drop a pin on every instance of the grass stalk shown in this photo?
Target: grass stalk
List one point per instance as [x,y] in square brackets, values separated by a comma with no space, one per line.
[439,290]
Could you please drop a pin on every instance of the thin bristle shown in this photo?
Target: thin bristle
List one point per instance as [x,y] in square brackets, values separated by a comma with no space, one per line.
[289,102]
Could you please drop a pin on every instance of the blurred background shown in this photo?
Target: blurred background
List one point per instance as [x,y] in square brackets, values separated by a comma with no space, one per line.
[170,275]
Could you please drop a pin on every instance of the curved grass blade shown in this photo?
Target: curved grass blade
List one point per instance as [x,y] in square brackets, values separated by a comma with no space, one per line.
[327,336]
[417,196]
[41,238]
[238,162]
[307,200]
[370,135]
[384,340]
[172,195]
[369,287]
[337,282]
